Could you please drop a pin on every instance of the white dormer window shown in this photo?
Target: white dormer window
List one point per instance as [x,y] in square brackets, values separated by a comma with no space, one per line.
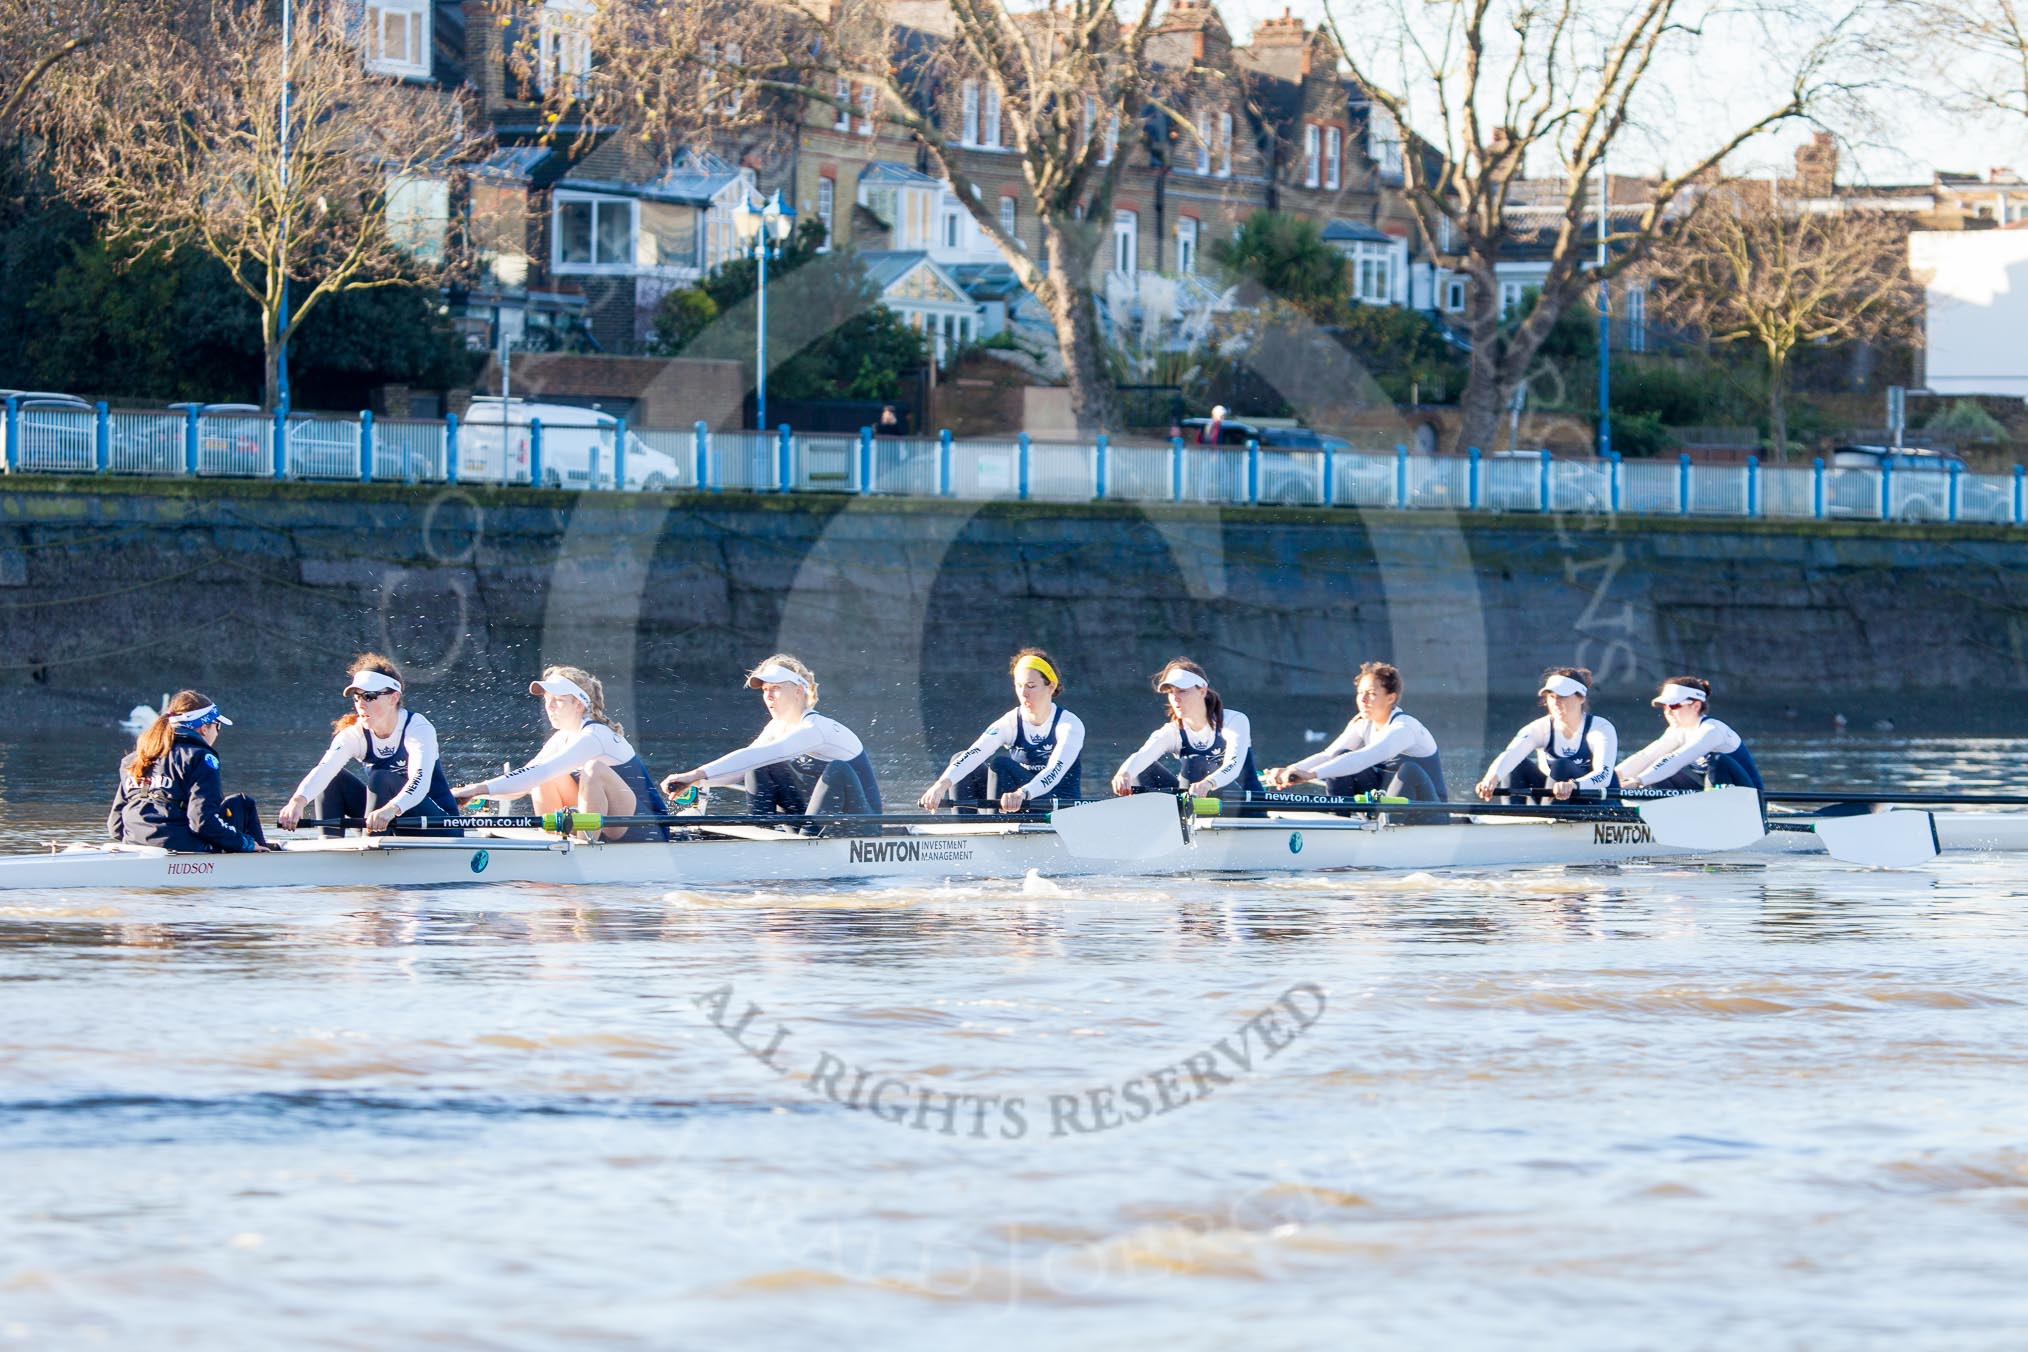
[1203,142]
[989,122]
[1008,209]
[563,45]
[969,132]
[1186,244]
[397,37]
[1112,145]
[1334,141]
[1312,153]
[1225,145]
[869,100]
[842,115]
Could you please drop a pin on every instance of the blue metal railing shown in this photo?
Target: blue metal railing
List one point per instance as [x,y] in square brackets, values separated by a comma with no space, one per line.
[51,438]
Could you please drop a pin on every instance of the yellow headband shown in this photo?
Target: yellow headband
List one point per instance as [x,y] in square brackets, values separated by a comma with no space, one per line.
[1030,662]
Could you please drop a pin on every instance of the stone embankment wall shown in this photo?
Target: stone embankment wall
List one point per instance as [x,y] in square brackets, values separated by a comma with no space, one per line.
[112,586]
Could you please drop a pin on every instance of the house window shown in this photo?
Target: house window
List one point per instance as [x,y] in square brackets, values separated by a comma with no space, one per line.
[970,131]
[827,196]
[1637,317]
[563,45]
[1186,244]
[1312,134]
[1087,122]
[593,233]
[397,34]
[1112,144]
[869,100]
[951,228]
[418,215]
[1333,149]
[1203,142]
[1008,207]
[1510,298]
[842,120]
[1225,145]
[1454,294]
[1373,273]
[1383,143]
[1126,252]
[989,123]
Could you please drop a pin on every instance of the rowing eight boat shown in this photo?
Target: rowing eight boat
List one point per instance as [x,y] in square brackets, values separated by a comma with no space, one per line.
[965,848]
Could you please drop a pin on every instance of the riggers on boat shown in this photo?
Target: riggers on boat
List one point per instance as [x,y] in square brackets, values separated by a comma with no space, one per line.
[1154,843]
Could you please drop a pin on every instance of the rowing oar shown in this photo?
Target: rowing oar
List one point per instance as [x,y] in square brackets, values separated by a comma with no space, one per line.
[1717,819]
[1139,827]
[1868,796]
[1891,839]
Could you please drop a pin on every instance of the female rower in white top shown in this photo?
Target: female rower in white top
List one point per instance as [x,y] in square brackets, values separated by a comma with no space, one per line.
[1567,751]
[1696,752]
[1032,751]
[395,746]
[1213,745]
[587,765]
[1383,749]
[802,762]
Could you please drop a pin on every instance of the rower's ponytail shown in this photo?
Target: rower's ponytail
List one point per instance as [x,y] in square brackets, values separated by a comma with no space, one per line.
[155,739]
[592,686]
[1214,709]
[369,662]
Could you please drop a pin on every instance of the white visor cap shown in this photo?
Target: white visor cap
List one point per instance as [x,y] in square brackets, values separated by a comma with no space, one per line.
[774,673]
[371,683]
[1563,685]
[1181,678]
[1679,694]
[558,685]
[1218,410]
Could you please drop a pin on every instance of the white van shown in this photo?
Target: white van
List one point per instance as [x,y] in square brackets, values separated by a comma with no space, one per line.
[577,447]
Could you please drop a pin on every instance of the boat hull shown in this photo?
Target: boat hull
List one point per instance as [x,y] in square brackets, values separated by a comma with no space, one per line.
[1296,843]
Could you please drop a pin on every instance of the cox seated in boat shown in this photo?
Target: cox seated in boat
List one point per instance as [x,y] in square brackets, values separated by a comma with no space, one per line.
[1696,751]
[171,793]
[1567,753]
[1382,750]
[395,746]
[1030,752]
[587,765]
[1211,744]
[802,762]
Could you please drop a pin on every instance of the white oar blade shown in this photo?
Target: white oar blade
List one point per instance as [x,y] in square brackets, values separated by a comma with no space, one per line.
[1716,819]
[1897,839]
[1140,827]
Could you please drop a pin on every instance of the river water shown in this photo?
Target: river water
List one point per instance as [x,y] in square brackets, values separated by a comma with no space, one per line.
[1774,1105]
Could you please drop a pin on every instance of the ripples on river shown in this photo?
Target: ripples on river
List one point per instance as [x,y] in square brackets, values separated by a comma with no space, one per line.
[1663,1106]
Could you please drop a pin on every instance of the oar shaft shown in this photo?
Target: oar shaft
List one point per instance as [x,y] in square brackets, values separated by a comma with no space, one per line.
[1595,810]
[1863,796]
[591,821]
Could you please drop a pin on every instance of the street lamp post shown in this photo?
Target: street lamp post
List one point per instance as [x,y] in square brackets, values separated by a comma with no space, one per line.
[763,230]
[282,316]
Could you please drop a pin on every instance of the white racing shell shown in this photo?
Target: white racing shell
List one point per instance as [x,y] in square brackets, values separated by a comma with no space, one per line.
[733,856]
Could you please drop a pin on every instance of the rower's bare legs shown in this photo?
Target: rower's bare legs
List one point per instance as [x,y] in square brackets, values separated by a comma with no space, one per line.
[554,795]
[602,791]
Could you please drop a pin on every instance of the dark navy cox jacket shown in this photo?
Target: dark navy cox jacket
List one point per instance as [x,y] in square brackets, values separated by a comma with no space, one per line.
[178,807]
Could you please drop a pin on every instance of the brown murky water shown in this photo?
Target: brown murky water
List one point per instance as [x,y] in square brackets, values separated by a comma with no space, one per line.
[1765,1105]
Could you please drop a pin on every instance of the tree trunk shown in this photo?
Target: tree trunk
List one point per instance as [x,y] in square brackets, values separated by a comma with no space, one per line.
[271,388]
[1777,408]
[1073,309]
[1487,389]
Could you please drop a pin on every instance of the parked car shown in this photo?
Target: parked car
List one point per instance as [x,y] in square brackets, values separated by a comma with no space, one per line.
[1511,481]
[494,445]
[58,431]
[231,438]
[1920,485]
[1290,477]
